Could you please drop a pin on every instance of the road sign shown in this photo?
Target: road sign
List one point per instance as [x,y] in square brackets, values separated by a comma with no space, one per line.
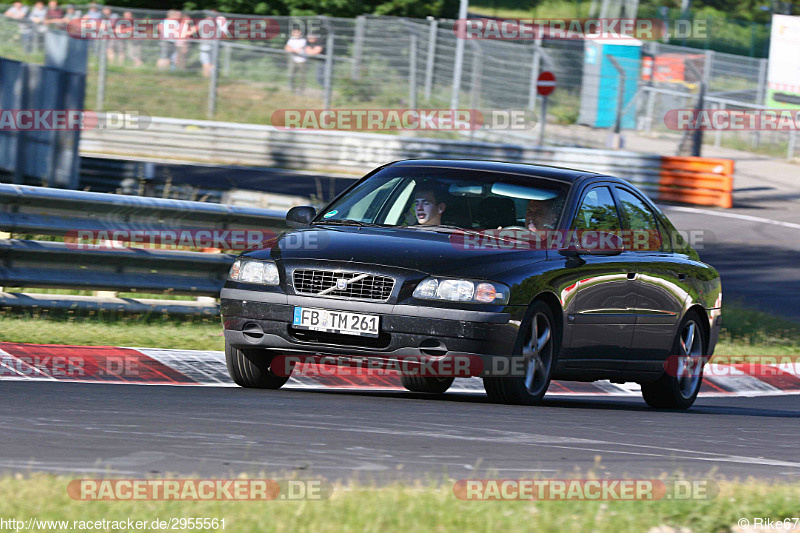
[545,83]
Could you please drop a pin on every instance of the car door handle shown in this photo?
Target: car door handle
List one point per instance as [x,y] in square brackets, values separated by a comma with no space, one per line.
[631,275]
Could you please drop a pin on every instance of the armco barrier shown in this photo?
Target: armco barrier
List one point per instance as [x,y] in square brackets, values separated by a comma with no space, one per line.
[696,180]
[686,180]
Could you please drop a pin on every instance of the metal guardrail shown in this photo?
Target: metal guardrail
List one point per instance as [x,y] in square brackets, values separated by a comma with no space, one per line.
[249,144]
[38,210]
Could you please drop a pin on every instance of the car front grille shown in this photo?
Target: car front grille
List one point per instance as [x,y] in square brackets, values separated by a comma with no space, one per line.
[324,283]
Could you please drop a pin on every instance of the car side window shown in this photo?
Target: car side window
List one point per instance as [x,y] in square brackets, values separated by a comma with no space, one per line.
[597,212]
[645,234]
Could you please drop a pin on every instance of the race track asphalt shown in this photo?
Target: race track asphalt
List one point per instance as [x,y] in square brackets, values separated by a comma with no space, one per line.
[136,430]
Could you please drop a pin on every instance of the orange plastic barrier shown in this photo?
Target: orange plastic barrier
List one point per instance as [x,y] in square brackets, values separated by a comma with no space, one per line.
[696,180]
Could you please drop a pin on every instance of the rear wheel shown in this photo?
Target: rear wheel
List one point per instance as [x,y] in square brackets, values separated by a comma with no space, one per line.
[430,384]
[251,368]
[540,345]
[678,387]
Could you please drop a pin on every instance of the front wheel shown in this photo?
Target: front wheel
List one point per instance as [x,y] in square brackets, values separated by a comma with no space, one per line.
[678,387]
[540,346]
[251,368]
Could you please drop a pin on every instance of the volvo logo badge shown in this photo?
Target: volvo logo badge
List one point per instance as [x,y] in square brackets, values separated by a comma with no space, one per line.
[341,284]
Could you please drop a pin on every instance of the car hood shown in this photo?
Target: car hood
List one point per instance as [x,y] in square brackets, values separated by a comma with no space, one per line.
[420,250]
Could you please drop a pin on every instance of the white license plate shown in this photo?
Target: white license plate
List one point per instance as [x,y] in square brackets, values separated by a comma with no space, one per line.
[343,322]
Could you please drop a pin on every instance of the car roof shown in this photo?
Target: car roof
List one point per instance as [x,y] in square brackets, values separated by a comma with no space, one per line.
[568,175]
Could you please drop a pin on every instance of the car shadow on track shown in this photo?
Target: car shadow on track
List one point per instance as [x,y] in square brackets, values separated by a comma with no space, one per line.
[603,403]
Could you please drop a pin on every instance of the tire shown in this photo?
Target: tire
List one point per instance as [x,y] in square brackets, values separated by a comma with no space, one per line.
[678,387]
[251,368]
[429,384]
[539,343]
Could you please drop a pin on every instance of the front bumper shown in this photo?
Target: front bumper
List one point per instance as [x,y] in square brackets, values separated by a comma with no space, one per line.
[264,319]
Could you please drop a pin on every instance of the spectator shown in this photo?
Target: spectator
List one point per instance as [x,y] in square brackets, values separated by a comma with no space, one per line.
[133,49]
[207,48]
[114,49]
[314,49]
[186,32]
[30,34]
[167,54]
[54,14]
[17,11]
[93,13]
[295,46]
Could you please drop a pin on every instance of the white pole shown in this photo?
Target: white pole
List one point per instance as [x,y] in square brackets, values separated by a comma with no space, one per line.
[462,16]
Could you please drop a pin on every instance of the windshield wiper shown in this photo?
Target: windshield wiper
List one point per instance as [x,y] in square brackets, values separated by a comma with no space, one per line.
[348,222]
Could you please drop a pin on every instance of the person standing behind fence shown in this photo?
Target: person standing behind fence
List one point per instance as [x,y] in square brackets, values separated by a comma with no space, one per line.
[114,49]
[295,46]
[55,15]
[315,50]
[167,48]
[131,47]
[207,47]
[17,11]
[186,32]
[30,34]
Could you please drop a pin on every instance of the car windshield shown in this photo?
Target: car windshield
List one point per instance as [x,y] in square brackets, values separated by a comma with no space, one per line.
[454,198]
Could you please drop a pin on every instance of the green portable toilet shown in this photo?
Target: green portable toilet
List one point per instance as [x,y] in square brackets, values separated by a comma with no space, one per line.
[601,81]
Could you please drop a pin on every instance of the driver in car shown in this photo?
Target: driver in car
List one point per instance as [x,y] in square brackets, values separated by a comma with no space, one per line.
[427,206]
[537,214]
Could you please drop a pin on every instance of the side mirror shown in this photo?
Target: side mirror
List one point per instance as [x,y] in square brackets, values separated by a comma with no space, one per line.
[594,243]
[300,216]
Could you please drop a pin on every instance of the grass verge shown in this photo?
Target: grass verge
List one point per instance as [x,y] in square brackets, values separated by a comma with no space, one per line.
[405,508]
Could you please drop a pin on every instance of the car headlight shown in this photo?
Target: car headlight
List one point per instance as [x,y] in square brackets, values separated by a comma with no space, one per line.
[254,271]
[462,290]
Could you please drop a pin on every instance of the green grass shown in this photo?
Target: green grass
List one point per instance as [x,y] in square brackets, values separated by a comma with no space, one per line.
[420,507]
[109,330]
[744,331]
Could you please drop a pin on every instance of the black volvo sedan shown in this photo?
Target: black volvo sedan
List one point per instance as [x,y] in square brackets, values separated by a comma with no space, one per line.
[570,275]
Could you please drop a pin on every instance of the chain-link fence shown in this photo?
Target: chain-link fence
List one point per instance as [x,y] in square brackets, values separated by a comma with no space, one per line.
[388,62]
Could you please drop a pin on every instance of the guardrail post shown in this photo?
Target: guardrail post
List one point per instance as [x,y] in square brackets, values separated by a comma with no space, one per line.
[412,71]
[433,31]
[101,75]
[718,133]
[328,76]
[212,80]
[358,46]
[535,65]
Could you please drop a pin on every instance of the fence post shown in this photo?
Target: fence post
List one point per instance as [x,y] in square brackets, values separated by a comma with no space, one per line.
[101,75]
[212,80]
[412,71]
[328,68]
[432,33]
[459,61]
[475,79]
[226,64]
[620,100]
[535,65]
[792,140]
[651,105]
[358,46]
[718,133]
